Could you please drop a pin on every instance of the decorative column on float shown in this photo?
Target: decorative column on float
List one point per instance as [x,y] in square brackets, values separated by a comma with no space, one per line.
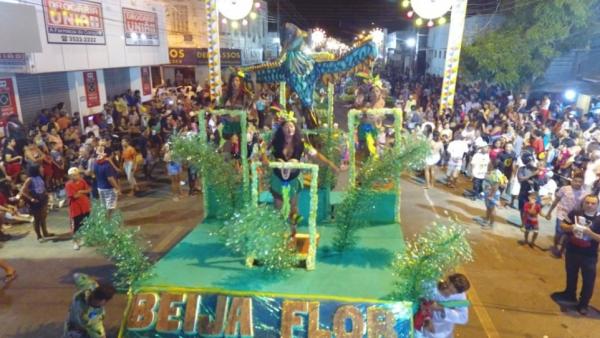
[214,49]
[455,36]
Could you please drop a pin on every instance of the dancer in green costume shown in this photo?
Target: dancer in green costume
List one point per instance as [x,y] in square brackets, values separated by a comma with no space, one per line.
[289,146]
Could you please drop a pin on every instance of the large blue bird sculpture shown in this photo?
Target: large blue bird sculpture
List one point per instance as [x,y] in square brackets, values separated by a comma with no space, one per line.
[301,72]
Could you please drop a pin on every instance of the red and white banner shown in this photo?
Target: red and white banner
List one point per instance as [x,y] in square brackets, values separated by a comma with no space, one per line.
[146,81]
[92,92]
[8,103]
[74,22]
[141,27]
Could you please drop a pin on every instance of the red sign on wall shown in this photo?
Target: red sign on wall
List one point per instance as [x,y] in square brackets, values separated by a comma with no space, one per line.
[146,82]
[8,103]
[92,93]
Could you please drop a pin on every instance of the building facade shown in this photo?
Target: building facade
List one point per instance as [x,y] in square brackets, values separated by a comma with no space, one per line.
[242,43]
[86,52]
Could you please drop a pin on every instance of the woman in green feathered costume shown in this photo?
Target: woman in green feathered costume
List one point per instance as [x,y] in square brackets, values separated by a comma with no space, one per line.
[289,146]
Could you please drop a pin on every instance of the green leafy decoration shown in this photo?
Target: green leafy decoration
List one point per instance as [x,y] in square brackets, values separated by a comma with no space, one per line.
[221,177]
[360,198]
[534,33]
[263,234]
[426,259]
[117,243]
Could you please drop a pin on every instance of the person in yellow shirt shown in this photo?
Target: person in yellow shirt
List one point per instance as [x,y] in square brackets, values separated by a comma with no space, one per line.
[129,164]
[86,313]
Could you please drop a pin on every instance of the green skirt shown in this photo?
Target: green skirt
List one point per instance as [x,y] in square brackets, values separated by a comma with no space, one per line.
[277,185]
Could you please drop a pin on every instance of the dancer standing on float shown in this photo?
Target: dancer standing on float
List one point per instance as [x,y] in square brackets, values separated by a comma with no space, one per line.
[289,146]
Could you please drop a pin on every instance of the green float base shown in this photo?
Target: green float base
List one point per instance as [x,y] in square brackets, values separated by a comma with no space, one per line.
[200,260]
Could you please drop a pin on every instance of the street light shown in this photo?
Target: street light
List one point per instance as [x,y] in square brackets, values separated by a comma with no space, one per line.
[378,35]
[317,37]
[411,42]
[570,95]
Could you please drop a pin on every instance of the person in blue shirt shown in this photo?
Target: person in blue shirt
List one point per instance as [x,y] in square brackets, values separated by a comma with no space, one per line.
[106,179]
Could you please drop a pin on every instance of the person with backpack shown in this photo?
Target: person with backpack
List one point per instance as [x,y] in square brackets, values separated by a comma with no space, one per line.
[35,195]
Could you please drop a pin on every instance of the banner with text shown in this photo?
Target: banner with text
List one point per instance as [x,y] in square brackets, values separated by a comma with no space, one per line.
[141,27]
[74,22]
[199,56]
[188,314]
[146,81]
[92,92]
[8,102]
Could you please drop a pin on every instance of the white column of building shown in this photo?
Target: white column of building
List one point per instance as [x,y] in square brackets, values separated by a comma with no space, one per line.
[135,80]
[78,96]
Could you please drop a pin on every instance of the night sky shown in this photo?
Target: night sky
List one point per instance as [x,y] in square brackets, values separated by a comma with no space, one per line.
[345,18]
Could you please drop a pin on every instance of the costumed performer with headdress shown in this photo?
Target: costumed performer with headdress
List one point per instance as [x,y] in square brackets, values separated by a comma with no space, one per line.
[289,146]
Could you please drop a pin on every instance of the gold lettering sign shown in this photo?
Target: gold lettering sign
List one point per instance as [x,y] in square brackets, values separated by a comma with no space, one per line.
[141,315]
[192,309]
[380,323]
[240,318]
[169,313]
[348,312]
[215,326]
[313,322]
[289,319]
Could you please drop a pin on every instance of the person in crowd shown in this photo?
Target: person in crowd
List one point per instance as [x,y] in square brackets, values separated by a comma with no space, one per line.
[36,196]
[566,200]
[582,227]
[528,176]
[106,179]
[77,191]
[480,163]
[456,152]
[174,170]
[434,158]
[86,312]
[12,161]
[129,155]
[9,272]
[531,211]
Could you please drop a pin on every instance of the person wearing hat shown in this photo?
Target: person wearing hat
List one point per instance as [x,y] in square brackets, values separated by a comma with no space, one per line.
[480,163]
[77,191]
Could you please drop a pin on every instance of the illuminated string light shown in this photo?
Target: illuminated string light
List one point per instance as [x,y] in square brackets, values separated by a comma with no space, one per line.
[410,14]
[253,15]
[430,23]
[419,22]
[235,24]
[442,20]
[405,4]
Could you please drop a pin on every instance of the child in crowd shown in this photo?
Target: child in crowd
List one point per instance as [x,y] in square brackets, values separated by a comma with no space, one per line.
[492,198]
[530,218]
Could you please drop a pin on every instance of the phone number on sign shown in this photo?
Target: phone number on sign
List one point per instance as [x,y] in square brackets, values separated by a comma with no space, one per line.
[66,38]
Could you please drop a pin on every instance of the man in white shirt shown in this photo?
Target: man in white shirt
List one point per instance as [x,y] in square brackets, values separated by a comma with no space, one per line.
[456,151]
[446,315]
[479,168]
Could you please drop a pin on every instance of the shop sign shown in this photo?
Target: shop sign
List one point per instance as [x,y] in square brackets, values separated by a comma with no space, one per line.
[199,56]
[141,27]
[13,59]
[74,22]
[146,82]
[8,103]
[92,92]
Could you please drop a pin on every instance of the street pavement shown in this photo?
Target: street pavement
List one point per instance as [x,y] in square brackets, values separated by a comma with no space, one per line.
[511,283]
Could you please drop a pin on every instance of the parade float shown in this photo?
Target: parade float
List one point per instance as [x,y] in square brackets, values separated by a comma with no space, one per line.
[348,272]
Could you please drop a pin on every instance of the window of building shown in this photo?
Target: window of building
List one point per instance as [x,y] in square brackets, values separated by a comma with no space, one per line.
[178,18]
